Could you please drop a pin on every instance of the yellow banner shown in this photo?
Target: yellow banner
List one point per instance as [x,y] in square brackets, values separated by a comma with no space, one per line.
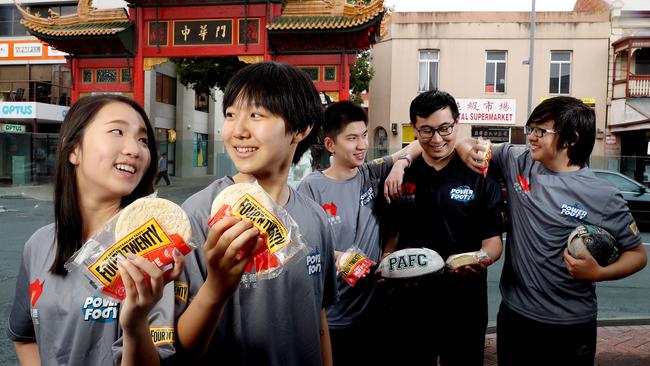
[589,101]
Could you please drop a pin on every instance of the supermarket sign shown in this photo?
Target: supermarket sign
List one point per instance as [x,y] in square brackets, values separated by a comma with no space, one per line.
[487,111]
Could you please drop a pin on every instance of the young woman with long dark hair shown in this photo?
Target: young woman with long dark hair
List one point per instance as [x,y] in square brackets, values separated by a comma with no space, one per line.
[103,163]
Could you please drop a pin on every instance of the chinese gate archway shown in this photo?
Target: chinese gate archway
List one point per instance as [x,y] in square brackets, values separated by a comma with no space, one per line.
[110,49]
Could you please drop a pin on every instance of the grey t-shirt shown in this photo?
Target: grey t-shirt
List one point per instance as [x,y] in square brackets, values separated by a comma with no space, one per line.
[72,323]
[349,205]
[544,208]
[274,321]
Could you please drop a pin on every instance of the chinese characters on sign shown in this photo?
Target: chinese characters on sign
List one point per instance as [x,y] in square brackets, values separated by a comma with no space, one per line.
[484,111]
[28,49]
[200,32]
[4,50]
[249,31]
[157,33]
[494,134]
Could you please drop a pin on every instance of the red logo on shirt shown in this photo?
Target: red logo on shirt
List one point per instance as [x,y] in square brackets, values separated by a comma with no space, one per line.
[408,188]
[35,290]
[330,208]
[524,183]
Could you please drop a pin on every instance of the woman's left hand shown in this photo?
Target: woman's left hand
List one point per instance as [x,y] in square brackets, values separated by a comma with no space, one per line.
[144,283]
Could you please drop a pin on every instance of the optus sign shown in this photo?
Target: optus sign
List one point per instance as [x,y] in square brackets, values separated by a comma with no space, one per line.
[33,110]
[12,128]
[22,110]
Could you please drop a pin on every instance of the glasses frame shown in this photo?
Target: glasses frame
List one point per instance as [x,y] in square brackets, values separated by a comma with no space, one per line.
[537,131]
[449,125]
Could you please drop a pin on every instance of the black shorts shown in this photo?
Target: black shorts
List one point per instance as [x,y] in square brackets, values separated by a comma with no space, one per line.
[523,341]
[436,317]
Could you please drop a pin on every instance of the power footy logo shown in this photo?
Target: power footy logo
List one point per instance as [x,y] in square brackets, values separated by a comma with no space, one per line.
[99,309]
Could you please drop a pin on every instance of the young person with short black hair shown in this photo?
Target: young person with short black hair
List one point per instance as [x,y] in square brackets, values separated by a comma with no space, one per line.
[103,164]
[548,296]
[450,209]
[348,191]
[273,114]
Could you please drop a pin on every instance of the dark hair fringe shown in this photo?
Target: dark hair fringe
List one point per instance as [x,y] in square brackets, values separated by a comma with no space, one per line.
[430,102]
[570,116]
[339,115]
[67,215]
[283,90]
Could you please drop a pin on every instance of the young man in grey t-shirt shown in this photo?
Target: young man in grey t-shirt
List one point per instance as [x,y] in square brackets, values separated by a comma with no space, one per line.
[548,296]
[273,114]
[348,192]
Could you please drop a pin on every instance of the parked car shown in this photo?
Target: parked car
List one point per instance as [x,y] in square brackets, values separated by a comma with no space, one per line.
[636,194]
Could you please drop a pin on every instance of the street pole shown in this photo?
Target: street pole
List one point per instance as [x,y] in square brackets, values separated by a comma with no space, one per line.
[531,60]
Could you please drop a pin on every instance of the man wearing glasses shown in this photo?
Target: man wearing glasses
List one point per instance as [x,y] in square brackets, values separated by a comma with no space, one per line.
[448,208]
[548,297]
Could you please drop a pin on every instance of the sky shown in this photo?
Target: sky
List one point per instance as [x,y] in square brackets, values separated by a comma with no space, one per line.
[461,5]
[438,5]
[479,5]
[499,5]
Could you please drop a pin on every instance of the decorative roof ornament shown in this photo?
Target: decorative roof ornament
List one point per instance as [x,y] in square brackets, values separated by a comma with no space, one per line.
[87,21]
[329,4]
[326,14]
[360,5]
[383,29]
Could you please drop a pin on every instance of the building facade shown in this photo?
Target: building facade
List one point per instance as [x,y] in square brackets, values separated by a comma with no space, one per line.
[628,132]
[35,91]
[131,52]
[481,58]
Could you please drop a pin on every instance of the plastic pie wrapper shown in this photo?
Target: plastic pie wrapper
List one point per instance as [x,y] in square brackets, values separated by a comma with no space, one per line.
[487,154]
[457,261]
[149,227]
[353,265]
[282,239]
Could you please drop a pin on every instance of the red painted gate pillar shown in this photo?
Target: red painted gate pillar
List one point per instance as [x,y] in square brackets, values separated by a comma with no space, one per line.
[138,63]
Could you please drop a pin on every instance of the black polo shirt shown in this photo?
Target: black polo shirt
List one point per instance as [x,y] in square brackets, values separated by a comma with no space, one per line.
[450,210]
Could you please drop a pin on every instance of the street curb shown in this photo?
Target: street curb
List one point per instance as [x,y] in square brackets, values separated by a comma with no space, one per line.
[600,323]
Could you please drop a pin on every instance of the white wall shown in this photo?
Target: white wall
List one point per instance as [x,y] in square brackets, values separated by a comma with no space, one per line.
[463,39]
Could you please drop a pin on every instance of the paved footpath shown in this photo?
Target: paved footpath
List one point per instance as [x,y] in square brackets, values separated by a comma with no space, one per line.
[617,346]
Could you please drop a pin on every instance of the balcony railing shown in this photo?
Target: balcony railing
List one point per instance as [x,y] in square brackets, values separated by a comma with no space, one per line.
[34,91]
[639,86]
